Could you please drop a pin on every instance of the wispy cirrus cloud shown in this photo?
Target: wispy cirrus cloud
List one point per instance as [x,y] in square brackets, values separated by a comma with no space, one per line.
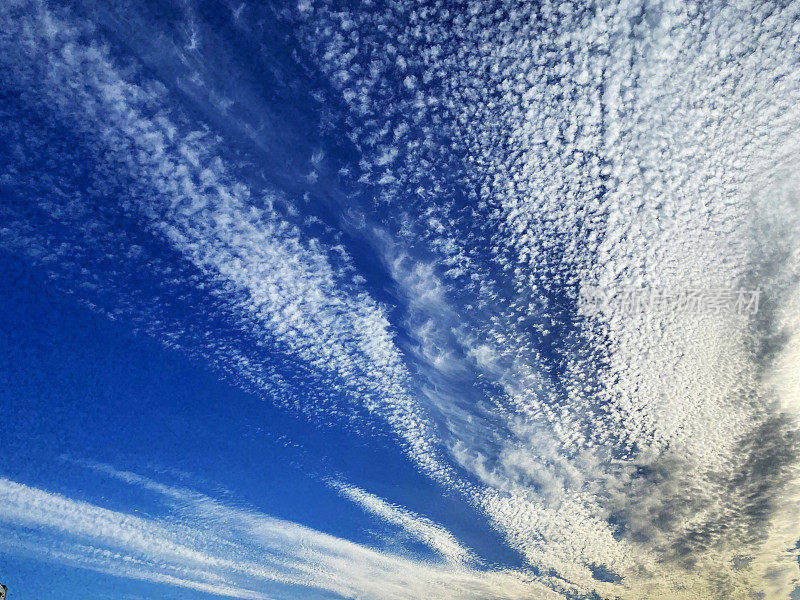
[206,545]
[419,527]
[531,149]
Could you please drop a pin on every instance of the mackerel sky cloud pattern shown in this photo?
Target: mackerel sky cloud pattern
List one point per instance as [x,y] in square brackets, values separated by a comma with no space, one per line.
[354,237]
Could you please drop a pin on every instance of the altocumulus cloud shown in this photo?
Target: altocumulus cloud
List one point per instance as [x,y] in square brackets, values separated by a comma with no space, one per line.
[523,151]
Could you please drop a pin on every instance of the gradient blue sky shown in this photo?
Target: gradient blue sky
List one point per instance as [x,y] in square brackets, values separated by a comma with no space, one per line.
[291,299]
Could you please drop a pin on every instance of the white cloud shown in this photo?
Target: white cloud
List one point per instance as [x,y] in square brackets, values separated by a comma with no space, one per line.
[538,148]
[421,528]
[283,288]
[615,144]
[203,544]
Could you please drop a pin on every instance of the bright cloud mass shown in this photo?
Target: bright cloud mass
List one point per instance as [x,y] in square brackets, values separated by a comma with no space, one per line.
[392,300]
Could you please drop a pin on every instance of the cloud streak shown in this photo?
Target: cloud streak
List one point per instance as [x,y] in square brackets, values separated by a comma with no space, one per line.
[421,528]
[205,545]
[527,150]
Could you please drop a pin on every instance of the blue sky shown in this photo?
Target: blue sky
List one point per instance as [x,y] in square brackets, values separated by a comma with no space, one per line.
[292,300]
